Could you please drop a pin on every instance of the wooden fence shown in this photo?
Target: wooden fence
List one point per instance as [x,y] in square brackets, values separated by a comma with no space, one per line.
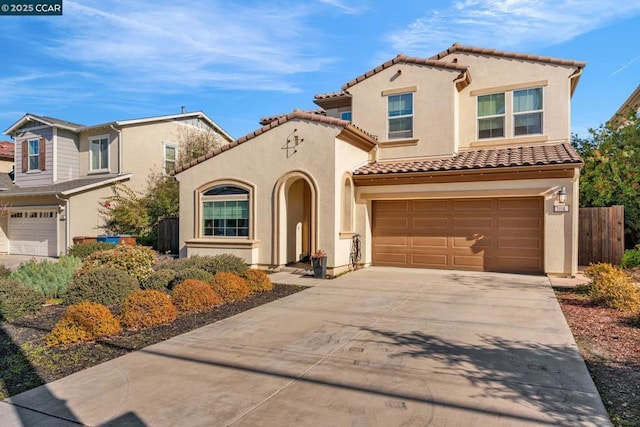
[168,235]
[601,235]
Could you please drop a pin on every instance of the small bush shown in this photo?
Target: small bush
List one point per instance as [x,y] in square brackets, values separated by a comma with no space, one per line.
[86,321]
[214,264]
[83,250]
[194,296]
[230,287]
[631,258]
[257,281]
[159,280]
[4,271]
[611,287]
[146,308]
[50,279]
[104,285]
[135,260]
[17,300]
[191,273]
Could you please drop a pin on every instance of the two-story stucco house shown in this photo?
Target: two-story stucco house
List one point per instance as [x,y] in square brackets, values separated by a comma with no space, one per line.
[457,161]
[64,170]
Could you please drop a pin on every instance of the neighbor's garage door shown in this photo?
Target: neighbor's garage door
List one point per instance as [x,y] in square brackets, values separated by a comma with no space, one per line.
[497,234]
[33,233]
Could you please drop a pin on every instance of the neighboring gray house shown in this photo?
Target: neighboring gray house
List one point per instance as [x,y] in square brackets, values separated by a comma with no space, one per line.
[63,171]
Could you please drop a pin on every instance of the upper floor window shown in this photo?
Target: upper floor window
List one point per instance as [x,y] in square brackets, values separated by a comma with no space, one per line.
[225,211]
[345,115]
[491,112]
[99,152]
[170,158]
[527,111]
[400,112]
[34,154]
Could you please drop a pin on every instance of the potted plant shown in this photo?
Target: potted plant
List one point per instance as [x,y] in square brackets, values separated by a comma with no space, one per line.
[319,263]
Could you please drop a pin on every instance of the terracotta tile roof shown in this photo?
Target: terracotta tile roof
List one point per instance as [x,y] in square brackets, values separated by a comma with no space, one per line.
[332,95]
[406,60]
[268,119]
[539,155]
[6,150]
[493,52]
[297,114]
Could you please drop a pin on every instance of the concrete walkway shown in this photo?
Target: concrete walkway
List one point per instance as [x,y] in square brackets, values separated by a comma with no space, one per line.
[378,347]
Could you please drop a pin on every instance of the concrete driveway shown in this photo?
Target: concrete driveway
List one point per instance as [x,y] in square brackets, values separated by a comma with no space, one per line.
[378,347]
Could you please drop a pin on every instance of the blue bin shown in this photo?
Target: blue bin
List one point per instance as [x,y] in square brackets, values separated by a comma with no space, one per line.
[109,239]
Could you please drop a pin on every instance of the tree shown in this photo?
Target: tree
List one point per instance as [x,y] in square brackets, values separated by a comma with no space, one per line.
[196,142]
[137,213]
[611,173]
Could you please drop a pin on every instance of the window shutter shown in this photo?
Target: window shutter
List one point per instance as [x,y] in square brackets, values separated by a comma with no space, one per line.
[42,154]
[25,156]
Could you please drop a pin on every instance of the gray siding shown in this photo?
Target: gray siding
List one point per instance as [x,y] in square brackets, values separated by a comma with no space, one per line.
[68,158]
[38,178]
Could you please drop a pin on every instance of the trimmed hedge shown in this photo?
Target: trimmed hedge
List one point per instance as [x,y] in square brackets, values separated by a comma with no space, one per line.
[105,285]
[194,296]
[18,300]
[135,260]
[86,321]
[83,250]
[230,287]
[257,280]
[146,308]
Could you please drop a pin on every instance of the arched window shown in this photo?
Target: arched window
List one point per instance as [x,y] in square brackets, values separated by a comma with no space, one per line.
[225,211]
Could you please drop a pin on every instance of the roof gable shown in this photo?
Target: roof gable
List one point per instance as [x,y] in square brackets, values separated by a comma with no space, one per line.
[401,59]
[350,133]
[45,120]
[632,103]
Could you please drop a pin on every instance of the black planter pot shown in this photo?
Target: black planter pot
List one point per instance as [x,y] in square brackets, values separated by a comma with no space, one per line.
[319,267]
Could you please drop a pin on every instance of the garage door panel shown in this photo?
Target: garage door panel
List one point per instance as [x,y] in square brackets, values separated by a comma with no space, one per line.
[430,205]
[33,233]
[392,223]
[429,260]
[392,206]
[419,242]
[499,234]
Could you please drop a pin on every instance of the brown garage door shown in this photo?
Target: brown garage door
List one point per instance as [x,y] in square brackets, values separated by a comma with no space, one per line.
[497,234]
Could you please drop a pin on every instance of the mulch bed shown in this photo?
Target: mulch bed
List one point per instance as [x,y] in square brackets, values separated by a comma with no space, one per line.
[610,346]
[25,361]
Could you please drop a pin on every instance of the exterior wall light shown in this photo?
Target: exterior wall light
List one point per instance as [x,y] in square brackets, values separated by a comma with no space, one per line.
[562,196]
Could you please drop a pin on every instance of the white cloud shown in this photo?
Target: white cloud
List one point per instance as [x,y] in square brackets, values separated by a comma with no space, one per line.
[228,45]
[506,24]
[344,8]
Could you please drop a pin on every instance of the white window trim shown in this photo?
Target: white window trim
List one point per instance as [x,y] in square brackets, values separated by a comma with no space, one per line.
[98,138]
[201,198]
[509,114]
[514,114]
[388,95]
[37,169]
[164,155]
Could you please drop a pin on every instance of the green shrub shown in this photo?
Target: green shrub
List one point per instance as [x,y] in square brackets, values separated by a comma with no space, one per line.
[230,287]
[191,273]
[257,280]
[86,321]
[159,280]
[106,285]
[135,260]
[49,278]
[83,250]
[214,264]
[4,271]
[146,308]
[631,258]
[17,300]
[194,296]
[612,287]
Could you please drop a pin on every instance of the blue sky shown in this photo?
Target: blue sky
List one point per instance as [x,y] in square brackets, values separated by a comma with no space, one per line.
[237,61]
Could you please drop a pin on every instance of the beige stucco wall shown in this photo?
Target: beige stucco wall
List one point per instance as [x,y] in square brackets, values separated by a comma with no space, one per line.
[264,162]
[433,109]
[560,229]
[85,218]
[84,156]
[497,73]
[6,166]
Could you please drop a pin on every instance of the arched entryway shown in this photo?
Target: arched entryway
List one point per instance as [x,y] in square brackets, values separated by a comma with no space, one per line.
[295,228]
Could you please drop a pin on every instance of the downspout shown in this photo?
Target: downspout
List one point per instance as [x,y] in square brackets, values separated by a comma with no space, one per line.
[67,226]
[54,150]
[119,149]
[575,214]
